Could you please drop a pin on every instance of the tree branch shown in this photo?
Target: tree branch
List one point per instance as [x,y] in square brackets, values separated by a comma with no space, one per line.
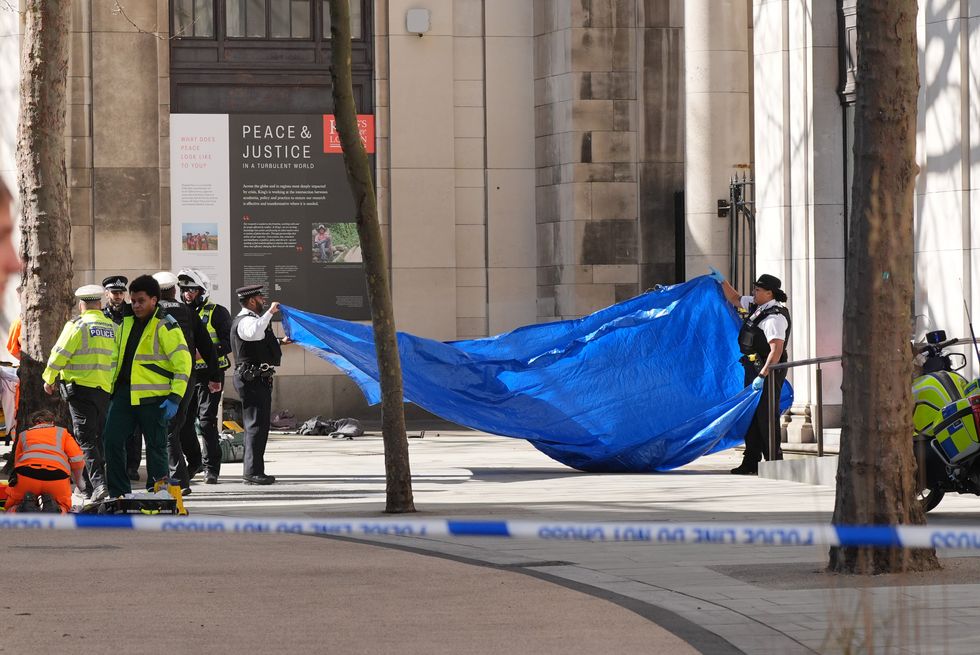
[119,10]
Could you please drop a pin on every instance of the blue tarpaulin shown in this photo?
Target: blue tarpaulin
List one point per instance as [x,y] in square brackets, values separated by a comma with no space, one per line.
[648,384]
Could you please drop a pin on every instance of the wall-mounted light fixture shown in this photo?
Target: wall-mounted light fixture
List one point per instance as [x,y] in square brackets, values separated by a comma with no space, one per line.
[418,21]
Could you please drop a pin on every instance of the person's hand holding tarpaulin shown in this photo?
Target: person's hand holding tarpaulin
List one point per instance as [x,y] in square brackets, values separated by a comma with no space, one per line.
[645,385]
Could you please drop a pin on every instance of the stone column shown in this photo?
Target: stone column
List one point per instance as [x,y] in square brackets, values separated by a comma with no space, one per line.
[799,165]
[79,142]
[586,129]
[125,142]
[424,153]
[718,134]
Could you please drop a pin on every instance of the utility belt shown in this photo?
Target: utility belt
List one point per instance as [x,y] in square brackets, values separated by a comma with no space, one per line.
[752,359]
[249,372]
[68,390]
[201,366]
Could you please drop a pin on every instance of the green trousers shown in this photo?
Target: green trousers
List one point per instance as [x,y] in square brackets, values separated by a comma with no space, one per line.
[121,420]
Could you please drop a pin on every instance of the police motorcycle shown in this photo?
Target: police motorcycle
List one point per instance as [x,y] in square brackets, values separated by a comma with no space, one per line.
[946,419]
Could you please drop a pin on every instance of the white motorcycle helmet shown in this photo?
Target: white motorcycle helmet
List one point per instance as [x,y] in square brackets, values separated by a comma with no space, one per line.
[191,278]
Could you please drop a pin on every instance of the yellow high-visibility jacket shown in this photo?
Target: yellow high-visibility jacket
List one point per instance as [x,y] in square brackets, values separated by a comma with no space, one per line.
[162,363]
[87,352]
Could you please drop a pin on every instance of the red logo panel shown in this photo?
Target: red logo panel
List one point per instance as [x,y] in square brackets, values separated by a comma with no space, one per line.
[331,139]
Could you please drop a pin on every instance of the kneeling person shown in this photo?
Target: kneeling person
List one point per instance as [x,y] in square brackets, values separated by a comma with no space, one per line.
[46,458]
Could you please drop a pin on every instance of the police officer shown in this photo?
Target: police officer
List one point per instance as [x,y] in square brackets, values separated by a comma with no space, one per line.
[115,309]
[206,397]
[198,341]
[151,378]
[82,364]
[766,328]
[116,306]
[257,351]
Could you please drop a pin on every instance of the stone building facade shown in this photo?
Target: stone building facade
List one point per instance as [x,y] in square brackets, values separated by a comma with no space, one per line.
[537,159]
[529,153]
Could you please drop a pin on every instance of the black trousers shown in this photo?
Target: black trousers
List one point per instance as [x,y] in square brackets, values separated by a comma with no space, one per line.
[203,407]
[88,406]
[757,438]
[175,454]
[257,412]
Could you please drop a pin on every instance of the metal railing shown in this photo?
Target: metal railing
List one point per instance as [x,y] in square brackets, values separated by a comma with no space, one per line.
[774,401]
[740,206]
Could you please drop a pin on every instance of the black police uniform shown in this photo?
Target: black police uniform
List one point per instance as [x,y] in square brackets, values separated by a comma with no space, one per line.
[254,385]
[134,444]
[197,337]
[204,403]
[755,351]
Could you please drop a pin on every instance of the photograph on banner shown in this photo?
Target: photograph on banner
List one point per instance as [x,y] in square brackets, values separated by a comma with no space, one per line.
[336,243]
[199,236]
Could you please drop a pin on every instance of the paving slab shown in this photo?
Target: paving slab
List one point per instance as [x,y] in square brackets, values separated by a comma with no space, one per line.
[726,591]
[111,591]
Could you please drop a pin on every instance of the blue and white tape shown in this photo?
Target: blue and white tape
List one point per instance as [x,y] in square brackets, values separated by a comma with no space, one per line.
[654,533]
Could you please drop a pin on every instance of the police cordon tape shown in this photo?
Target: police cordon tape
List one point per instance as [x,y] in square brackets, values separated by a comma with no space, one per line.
[656,533]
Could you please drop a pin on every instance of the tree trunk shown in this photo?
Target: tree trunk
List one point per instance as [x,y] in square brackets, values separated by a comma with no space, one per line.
[876,482]
[397,470]
[45,227]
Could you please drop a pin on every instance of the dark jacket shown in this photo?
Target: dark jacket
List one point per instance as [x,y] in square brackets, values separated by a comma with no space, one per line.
[195,333]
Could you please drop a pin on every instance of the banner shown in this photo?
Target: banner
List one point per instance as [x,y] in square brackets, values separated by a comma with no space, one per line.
[287,215]
[199,199]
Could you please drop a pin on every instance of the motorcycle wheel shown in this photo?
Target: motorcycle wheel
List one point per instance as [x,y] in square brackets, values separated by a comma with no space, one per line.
[929,498]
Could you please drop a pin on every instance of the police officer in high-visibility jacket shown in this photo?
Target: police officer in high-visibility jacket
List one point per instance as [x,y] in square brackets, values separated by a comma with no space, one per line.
[195,288]
[82,363]
[45,459]
[151,377]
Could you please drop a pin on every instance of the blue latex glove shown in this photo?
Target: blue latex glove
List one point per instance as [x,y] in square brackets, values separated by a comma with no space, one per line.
[757,383]
[169,408]
[716,275]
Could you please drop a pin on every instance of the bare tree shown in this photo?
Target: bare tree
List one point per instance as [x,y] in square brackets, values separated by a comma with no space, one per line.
[398,472]
[876,472]
[45,225]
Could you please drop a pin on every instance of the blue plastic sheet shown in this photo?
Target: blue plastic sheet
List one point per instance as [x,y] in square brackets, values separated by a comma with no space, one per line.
[648,384]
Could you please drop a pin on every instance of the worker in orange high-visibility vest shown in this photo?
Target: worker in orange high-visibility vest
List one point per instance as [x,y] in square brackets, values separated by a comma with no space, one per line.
[46,460]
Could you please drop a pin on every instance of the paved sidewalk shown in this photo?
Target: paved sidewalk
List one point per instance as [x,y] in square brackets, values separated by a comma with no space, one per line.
[758,599]
[123,592]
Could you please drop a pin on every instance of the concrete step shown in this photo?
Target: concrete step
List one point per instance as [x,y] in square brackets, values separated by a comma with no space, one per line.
[808,470]
[831,444]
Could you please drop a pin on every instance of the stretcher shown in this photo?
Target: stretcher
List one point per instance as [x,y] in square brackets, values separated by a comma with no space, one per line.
[138,503]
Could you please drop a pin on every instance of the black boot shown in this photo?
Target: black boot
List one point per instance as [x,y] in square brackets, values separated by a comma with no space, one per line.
[31,504]
[746,468]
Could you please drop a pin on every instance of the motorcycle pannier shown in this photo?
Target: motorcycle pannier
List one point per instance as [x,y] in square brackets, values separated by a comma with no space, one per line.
[956,433]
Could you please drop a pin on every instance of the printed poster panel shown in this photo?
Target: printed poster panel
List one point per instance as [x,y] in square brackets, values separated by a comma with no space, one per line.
[264,199]
[293,215]
[199,199]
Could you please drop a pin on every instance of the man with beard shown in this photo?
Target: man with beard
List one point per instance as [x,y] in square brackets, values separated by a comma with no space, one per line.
[116,306]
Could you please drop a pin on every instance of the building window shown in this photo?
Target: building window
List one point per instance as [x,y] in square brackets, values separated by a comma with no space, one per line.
[355,19]
[193,19]
[291,19]
[245,19]
[277,19]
